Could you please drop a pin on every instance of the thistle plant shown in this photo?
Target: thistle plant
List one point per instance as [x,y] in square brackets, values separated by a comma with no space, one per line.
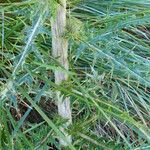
[107,75]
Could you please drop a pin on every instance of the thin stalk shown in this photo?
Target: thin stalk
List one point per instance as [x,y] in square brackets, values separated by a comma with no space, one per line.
[60,52]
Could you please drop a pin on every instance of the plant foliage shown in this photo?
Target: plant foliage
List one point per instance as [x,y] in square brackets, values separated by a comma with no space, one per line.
[109,76]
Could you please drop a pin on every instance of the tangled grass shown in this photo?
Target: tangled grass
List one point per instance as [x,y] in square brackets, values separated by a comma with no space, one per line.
[109,76]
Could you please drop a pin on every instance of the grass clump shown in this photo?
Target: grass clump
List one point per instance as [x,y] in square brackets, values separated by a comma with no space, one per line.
[109,76]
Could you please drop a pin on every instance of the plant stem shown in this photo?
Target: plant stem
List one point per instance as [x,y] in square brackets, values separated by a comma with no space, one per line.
[60,52]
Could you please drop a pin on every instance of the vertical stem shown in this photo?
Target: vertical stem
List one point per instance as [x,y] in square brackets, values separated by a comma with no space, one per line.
[3,19]
[60,52]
